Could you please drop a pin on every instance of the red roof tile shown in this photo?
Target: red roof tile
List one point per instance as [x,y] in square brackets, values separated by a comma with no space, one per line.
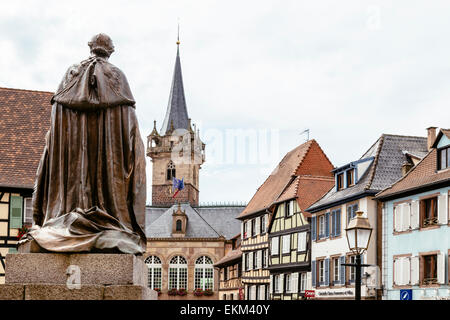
[24,123]
[307,159]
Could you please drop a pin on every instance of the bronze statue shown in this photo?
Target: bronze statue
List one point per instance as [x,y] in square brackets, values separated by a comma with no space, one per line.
[90,189]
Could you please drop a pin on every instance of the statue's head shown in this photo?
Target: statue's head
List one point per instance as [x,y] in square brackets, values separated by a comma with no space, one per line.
[101,45]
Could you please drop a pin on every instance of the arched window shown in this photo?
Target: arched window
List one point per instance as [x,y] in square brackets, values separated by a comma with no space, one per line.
[154,272]
[204,273]
[178,273]
[179,225]
[171,171]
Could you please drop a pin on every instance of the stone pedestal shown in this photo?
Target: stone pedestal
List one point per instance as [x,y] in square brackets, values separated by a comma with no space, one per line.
[78,276]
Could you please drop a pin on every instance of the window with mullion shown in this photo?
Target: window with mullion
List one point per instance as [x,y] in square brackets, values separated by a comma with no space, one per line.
[351,212]
[321,273]
[321,226]
[336,270]
[444,158]
[178,273]
[430,269]
[352,270]
[429,212]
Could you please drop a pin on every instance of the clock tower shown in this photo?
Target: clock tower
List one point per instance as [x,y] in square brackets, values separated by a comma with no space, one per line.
[176,150]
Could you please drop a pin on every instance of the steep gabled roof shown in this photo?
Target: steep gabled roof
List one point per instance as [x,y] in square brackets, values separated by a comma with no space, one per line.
[24,123]
[423,175]
[176,113]
[293,170]
[388,153]
[277,181]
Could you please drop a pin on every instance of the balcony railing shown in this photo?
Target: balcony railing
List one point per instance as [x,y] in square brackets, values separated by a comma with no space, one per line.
[430,221]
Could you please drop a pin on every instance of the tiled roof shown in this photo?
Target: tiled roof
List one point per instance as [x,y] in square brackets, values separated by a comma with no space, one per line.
[203,222]
[24,123]
[277,181]
[305,165]
[423,174]
[389,155]
[233,255]
[223,219]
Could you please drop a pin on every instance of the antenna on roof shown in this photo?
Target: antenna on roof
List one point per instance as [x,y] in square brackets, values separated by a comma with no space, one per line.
[307,132]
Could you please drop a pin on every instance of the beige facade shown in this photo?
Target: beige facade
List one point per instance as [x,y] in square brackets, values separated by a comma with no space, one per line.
[191,250]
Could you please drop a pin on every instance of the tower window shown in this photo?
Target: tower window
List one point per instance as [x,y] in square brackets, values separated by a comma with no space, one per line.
[171,171]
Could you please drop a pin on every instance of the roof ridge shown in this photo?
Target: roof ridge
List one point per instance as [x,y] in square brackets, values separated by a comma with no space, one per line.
[402,136]
[198,213]
[307,144]
[25,90]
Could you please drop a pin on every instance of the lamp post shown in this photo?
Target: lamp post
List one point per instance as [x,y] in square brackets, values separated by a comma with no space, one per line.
[358,237]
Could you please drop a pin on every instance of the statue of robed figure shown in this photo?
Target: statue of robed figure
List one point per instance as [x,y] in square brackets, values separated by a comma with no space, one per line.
[90,188]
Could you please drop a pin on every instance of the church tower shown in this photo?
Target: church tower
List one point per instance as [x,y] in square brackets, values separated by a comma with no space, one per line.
[176,151]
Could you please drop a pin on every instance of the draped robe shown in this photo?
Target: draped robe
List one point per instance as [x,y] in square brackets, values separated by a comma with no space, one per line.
[90,189]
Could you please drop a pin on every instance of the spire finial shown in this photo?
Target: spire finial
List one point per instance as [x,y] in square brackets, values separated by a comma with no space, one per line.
[178,36]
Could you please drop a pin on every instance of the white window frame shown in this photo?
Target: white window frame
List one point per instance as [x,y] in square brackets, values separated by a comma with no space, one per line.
[204,264]
[286,244]
[154,266]
[275,246]
[322,225]
[276,283]
[336,274]
[302,241]
[178,267]
[321,271]
[287,282]
[303,281]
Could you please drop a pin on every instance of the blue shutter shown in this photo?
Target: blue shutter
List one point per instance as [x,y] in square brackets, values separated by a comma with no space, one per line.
[338,222]
[313,228]
[313,273]
[332,224]
[342,270]
[327,272]
[327,225]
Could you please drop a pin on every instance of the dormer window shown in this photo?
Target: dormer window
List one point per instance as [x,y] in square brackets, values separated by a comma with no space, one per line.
[170,171]
[350,177]
[444,158]
[179,225]
[340,181]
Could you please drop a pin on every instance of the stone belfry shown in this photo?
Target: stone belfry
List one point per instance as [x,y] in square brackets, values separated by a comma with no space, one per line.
[176,151]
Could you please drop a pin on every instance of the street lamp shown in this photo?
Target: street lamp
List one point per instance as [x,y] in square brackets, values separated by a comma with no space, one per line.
[358,237]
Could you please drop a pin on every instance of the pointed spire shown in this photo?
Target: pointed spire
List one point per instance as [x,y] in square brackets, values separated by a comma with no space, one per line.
[176,109]
[154,131]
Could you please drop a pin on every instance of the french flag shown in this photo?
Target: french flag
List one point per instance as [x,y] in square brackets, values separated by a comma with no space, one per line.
[177,185]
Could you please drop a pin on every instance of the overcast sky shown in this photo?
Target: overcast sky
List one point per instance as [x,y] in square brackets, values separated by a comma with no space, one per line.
[347,70]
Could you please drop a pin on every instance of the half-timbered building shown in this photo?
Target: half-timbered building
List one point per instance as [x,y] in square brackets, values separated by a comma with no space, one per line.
[282,185]
[289,227]
[25,122]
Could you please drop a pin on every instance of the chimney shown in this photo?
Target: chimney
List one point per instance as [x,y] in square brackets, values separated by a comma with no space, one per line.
[406,166]
[431,136]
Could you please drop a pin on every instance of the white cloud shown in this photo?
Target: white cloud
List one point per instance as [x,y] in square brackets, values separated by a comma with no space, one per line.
[347,72]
